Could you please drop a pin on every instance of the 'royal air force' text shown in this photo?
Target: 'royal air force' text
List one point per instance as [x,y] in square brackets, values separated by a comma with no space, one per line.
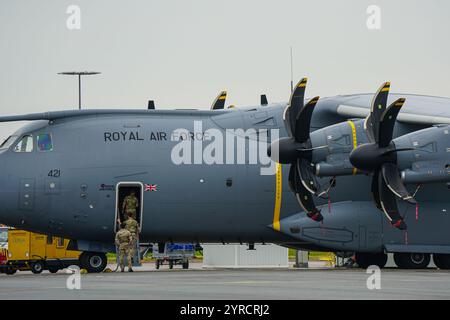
[117,136]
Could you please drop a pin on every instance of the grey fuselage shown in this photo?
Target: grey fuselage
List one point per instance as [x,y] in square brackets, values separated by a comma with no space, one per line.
[193,202]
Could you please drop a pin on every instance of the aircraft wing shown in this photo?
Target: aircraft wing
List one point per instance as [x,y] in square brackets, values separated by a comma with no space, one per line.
[55,115]
[423,110]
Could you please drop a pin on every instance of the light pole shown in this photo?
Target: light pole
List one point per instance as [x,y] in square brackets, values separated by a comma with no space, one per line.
[79,74]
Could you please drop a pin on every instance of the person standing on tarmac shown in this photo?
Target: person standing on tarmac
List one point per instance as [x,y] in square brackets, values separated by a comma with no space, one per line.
[133,227]
[123,243]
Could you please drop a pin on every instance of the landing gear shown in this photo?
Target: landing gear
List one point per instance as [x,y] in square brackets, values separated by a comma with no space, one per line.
[37,267]
[406,260]
[186,264]
[10,271]
[93,262]
[364,260]
[53,269]
[442,261]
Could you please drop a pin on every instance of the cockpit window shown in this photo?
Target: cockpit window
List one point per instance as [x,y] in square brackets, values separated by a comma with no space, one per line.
[25,144]
[44,142]
[8,142]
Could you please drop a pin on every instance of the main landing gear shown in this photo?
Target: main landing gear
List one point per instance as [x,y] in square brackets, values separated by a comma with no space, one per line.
[364,259]
[403,260]
[412,260]
[93,262]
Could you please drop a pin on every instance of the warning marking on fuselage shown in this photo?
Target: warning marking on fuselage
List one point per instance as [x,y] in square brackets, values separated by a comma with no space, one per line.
[278,192]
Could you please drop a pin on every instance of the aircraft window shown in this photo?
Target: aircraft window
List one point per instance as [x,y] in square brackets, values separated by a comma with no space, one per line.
[8,142]
[49,239]
[60,242]
[44,142]
[25,144]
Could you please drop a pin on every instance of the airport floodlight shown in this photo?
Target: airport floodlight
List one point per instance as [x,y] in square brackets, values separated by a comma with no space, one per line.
[79,74]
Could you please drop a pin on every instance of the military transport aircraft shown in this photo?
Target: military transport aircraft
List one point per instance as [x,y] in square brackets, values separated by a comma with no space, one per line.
[350,173]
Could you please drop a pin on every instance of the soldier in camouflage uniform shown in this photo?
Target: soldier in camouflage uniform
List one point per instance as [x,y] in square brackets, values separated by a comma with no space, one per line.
[130,204]
[123,241]
[133,227]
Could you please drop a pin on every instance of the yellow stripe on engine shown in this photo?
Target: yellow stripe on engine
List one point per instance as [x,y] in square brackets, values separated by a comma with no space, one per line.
[354,139]
[276,210]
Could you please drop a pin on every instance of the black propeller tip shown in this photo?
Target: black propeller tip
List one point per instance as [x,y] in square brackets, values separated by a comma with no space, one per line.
[316,216]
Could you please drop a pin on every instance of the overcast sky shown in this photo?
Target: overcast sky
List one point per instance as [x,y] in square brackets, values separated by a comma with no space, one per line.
[181,53]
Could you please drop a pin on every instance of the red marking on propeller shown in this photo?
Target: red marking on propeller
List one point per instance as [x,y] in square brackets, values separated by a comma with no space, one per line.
[329,205]
[406,237]
[417,211]
[397,224]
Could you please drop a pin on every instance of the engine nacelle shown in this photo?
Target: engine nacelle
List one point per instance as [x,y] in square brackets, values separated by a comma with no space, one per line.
[332,146]
[422,177]
[428,160]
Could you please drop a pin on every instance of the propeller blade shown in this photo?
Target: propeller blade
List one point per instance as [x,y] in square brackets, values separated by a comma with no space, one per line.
[219,102]
[303,121]
[375,191]
[389,204]
[307,177]
[264,101]
[304,198]
[378,106]
[392,178]
[295,105]
[387,123]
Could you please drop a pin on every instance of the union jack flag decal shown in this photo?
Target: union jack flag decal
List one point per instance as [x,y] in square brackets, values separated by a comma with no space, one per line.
[150,187]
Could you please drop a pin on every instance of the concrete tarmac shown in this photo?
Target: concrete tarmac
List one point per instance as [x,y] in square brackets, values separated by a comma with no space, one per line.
[230,284]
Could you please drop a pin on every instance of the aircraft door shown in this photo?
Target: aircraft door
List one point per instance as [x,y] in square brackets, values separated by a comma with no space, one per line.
[129,196]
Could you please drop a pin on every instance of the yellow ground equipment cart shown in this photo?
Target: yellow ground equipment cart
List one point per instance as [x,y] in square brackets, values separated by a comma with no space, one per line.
[36,252]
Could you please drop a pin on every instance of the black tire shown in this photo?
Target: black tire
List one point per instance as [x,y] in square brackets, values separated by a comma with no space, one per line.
[186,265]
[442,261]
[37,267]
[93,262]
[157,264]
[10,271]
[365,260]
[170,264]
[406,260]
[53,269]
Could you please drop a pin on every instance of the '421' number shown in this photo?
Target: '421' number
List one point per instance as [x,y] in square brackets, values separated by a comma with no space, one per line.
[55,173]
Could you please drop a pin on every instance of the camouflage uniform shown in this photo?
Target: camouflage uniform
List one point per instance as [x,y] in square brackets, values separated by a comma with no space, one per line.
[133,227]
[130,204]
[123,241]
